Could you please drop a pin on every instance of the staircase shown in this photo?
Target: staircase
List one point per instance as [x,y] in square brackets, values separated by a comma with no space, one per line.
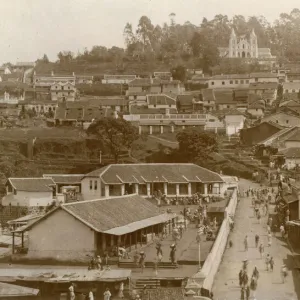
[148,264]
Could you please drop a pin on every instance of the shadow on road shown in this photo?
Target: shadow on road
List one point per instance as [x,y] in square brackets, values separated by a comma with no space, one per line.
[293,265]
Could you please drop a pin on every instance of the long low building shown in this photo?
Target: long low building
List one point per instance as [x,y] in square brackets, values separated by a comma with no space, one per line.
[146,179]
[72,231]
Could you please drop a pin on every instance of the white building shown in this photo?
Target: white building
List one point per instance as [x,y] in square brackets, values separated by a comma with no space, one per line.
[118,79]
[29,192]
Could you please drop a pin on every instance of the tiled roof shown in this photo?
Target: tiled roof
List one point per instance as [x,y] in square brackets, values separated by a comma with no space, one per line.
[223,97]
[290,103]
[141,110]
[144,82]
[32,184]
[82,113]
[185,99]
[142,173]
[263,86]
[108,102]
[232,112]
[11,290]
[65,178]
[256,104]
[160,99]
[291,86]
[231,76]
[295,136]
[264,75]
[253,98]
[208,95]
[291,152]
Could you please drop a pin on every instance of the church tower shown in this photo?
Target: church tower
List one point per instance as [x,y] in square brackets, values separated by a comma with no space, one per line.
[232,44]
[253,45]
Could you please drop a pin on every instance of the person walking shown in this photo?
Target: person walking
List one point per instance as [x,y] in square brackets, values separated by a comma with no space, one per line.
[283,273]
[121,290]
[241,275]
[256,240]
[91,295]
[261,250]
[255,273]
[246,243]
[253,285]
[267,261]
[107,294]
[272,263]
[245,279]
[71,292]
[282,231]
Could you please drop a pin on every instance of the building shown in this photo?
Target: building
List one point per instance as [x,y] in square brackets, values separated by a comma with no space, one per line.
[63,91]
[73,232]
[29,192]
[291,156]
[283,119]
[291,90]
[234,121]
[245,46]
[225,99]
[229,81]
[293,76]
[185,103]
[266,90]
[5,70]
[145,179]
[114,103]
[48,80]
[40,107]
[9,111]
[256,109]
[254,135]
[118,79]
[264,77]
[163,75]
[209,102]
[84,79]
[139,88]
[23,66]
[67,186]
[11,97]
[81,116]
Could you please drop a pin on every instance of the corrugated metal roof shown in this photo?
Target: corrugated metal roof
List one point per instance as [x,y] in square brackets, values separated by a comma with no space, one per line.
[32,184]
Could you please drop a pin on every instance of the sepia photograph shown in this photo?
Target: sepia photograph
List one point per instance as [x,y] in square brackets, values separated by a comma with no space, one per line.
[150,150]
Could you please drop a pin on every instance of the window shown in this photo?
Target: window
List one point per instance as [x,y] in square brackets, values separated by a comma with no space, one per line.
[183,121]
[228,106]
[287,121]
[242,81]
[276,121]
[91,184]
[231,81]
[256,79]
[69,93]
[208,101]
[293,91]
[212,83]
[134,97]
[56,93]
[62,88]
[170,105]
[247,81]
[154,105]
[223,82]
[236,82]
[68,87]
[95,185]
[256,109]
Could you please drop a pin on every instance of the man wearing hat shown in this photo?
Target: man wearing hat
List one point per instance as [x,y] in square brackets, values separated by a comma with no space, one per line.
[172,254]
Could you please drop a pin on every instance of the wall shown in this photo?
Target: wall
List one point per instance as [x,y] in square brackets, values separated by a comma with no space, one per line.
[292,162]
[28,199]
[60,237]
[87,193]
[292,144]
[228,83]
[255,112]
[284,120]
[211,265]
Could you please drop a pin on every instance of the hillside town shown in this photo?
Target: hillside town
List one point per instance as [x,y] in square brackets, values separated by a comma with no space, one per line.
[176,181]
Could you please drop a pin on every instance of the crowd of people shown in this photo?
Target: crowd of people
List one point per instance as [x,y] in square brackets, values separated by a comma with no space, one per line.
[261,200]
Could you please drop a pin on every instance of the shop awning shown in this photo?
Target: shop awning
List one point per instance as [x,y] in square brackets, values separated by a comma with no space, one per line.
[12,290]
[141,224]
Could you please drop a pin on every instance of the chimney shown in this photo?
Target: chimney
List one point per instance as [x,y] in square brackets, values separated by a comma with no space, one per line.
[73,74]
[52,73]
[151,80]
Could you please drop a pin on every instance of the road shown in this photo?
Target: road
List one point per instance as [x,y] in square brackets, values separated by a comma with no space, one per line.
[270,286]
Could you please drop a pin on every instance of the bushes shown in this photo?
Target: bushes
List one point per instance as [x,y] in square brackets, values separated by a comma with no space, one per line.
[235,169]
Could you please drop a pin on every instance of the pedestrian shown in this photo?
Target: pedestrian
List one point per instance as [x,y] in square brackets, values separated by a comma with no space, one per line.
[258,216]
[71,292]
[158,249]
[241,275]
[91,295]
[242,293]
[261,250]
[272,263]
[121,290]
[99,262]
[246,243]
[268,229]
[283,273]
[245,279]
[253,285]
[107,294]
[256,240]
[270,222]
[247,292]
[142,260]
[267,261]
[269,239]
[255,273]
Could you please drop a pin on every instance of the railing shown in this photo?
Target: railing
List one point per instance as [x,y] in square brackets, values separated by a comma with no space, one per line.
[174,117]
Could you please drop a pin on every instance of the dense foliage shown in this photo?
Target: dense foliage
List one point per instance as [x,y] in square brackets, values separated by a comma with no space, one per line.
[193,45]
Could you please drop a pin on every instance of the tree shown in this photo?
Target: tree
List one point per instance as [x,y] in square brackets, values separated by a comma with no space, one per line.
[195,143]
[144,31]
[45,59]
[116,134]
[179,73]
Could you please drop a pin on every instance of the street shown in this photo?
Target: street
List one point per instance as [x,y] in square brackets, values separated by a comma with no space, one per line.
[270,286]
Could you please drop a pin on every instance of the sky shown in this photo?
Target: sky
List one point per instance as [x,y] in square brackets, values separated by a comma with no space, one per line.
[30,28]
